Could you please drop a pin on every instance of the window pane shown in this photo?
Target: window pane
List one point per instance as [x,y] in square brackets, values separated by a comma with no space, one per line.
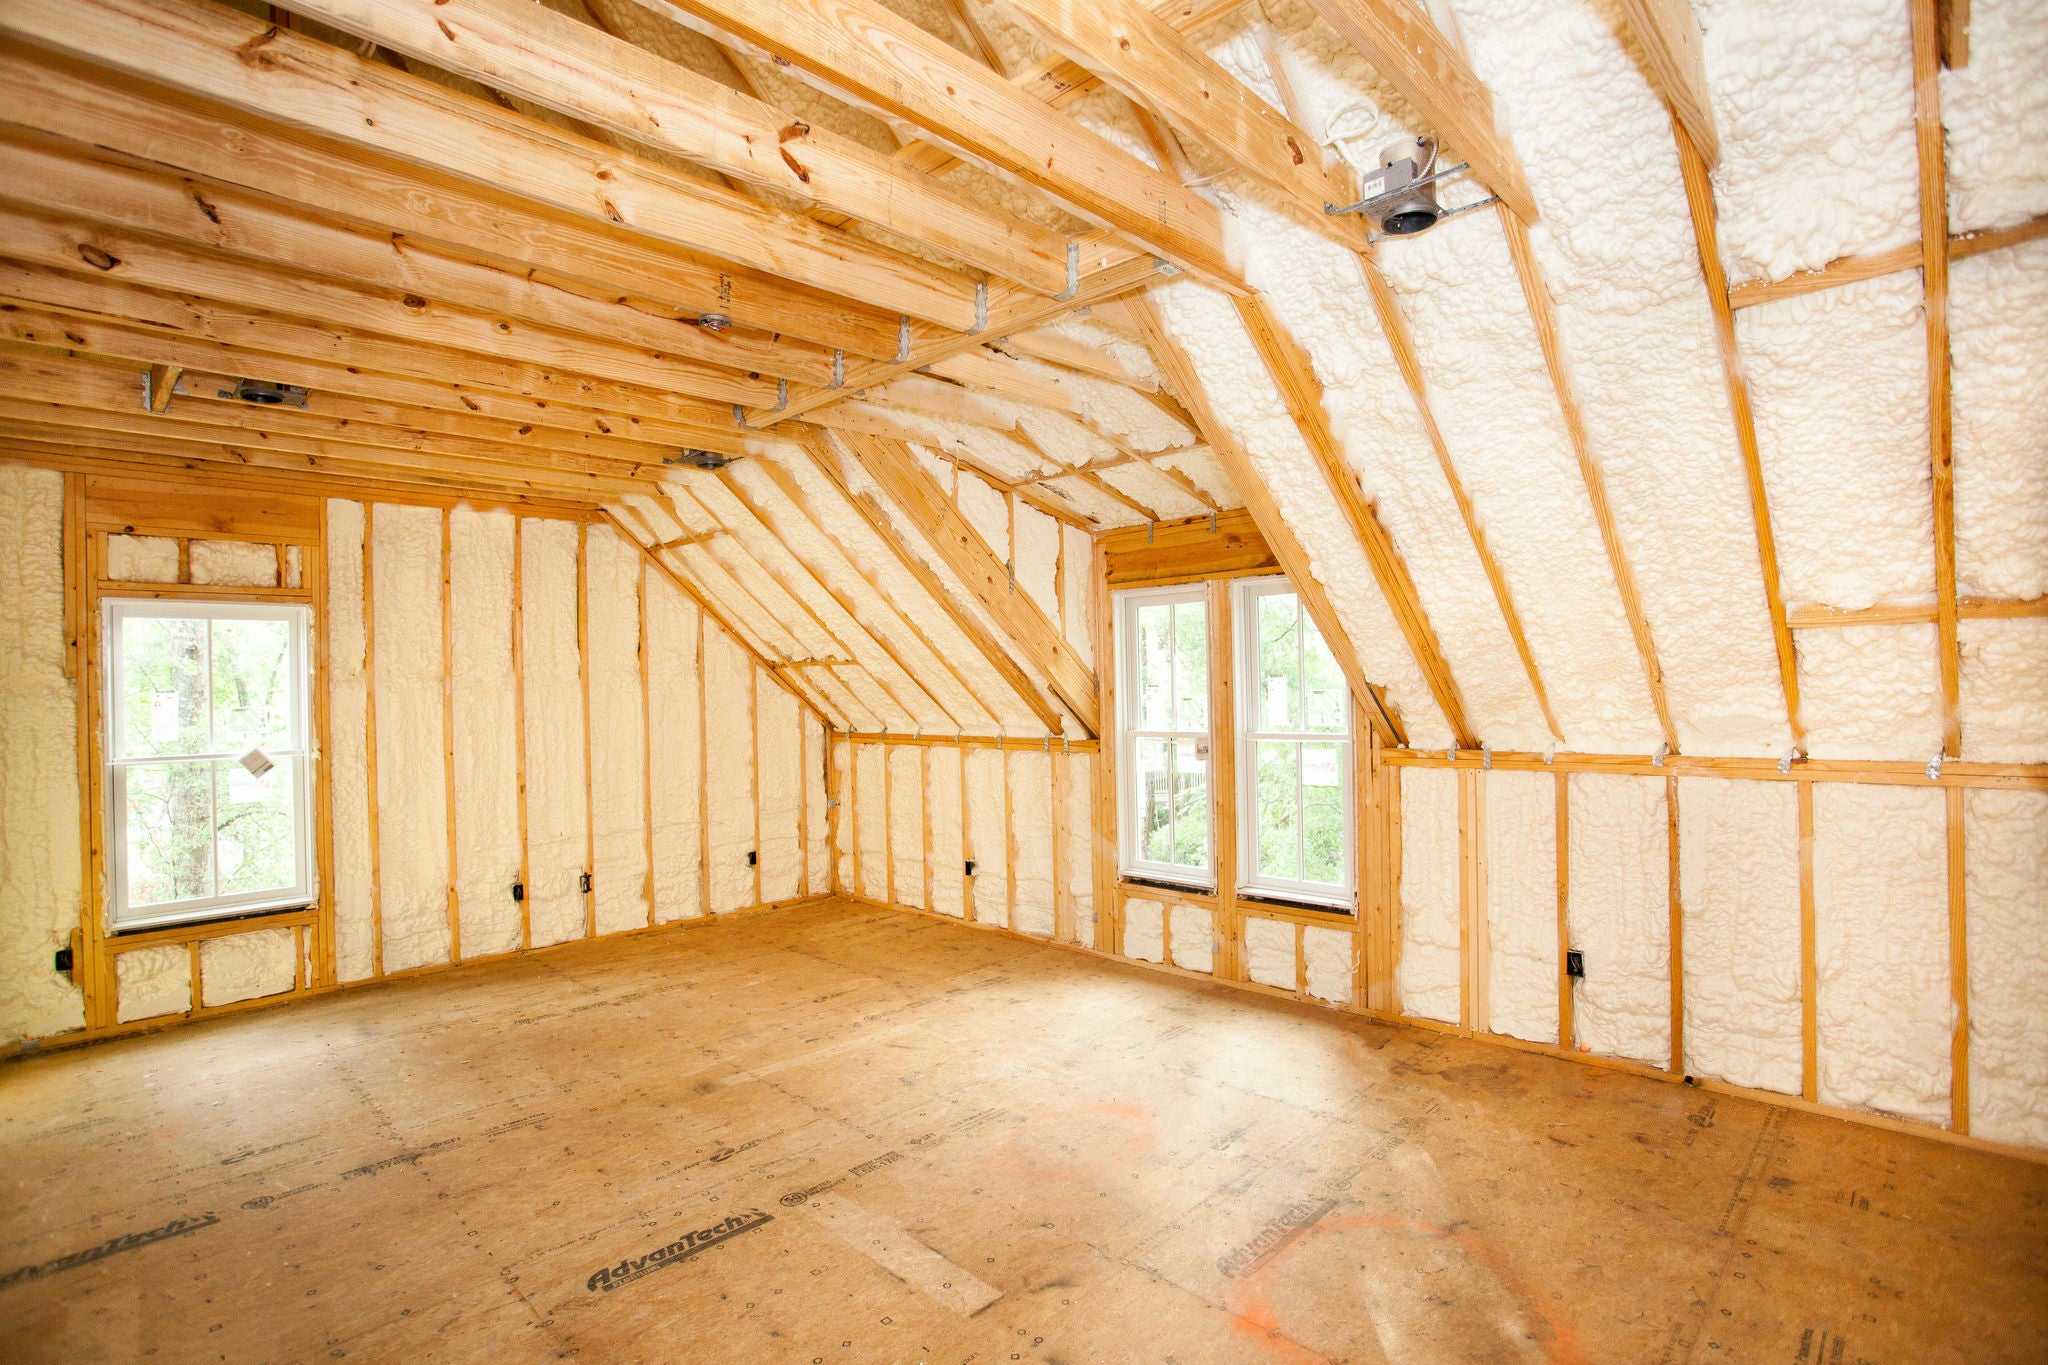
[251,687]
[170,832]
[1154,803]
[1155,673]
[163,686]
[257,842]
[1191,644]
[1279,699]
[1322,813]
[1277,833]
[1324,682]
[1191,805]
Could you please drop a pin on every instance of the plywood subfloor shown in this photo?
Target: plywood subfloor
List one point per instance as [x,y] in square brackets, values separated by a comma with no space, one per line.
[897,1139]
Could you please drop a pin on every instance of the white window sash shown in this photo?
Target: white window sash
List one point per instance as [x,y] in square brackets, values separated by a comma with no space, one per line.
[1129,860]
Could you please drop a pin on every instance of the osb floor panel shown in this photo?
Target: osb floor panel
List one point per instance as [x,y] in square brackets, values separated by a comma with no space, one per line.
[835,1134]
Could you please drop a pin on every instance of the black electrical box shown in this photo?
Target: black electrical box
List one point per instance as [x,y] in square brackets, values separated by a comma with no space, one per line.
[1575,964]
[519,891]
[583,883]
[752,860]
[63,961]
[970,867]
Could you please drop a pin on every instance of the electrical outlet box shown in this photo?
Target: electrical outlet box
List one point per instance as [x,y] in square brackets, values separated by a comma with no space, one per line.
[970,867]
[519,891]
[63,961]
[753,860]
[1575,964]
[583,883]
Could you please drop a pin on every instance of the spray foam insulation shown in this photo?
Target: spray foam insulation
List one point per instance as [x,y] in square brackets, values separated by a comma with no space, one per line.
[988,840]
[1152,490]
[779,738]
[1521,904]
[1431,939]
[1091,502]
[1078,823]
[1617,251]
[411,795]
[233,563]
[142,559]
[1326,956]
[1200,465]
[845,834]
[1038,559]
[1880,889]
[40,854]
[818,832]
[556,783]
[151,982]
[247,966]
[348,761]
[1269,951]
[1995,112]
[1077,568]
[1031,832]
[1870,691]
[1194,936]
[1738,875]
[906,823]
[729,755]
[1143,936]
[486,729]
[2005,690]
[871,819]
[1998,316]
[617,794]
[944,813]
[2005,858]
[1620,916]
[675,739]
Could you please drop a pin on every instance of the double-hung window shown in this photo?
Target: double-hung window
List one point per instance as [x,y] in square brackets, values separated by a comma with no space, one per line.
[1294,823]
[1163,648]
[208,782]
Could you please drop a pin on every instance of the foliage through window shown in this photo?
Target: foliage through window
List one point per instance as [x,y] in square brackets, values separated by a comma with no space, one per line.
[1294,742]
[1163,648]
[208,789]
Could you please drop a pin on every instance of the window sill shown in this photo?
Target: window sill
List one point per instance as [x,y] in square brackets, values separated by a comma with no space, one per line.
[1143,883]
[212,915]
[1298,905]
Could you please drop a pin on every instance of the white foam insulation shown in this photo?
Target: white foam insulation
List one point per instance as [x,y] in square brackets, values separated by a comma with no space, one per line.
[871,796]
[987,510]
[348,748]
[1328,959]
[1738,876]
[233,563]
[906,824]
[2005,690]
[1870,691]
[1038,559]
[1077,826]
[1880,890]
[988,839]
[2005,861]
[729,754]
[1998,345]
[675,737]
[1194,936]
[845,876]
[1091,502]
[1200,465]
[1995,111]
[1153,491]
[1429,973]
[247,966]
[412,793]
[486,714]
[1521,904]
[142,559]
[618,802]
[149,982]
[1144,934]
[1620,916]
[945,813]
[779,739]
[818,833]
[1269,951]
[40,854]
[1617,252]
[1031,834]
[1077,567]
[556,785]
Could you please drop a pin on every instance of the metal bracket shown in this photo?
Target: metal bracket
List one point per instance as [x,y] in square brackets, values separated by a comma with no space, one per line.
[781,395]
[1786,760]
[980,305]
[838,369]
[1486,758]
[1657,759]
[1934,768]
[902,338]
[1073,271]
[1368,202]
[1212,521]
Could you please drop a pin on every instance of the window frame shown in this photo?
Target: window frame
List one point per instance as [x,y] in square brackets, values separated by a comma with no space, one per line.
[1126,604]
[122,916]
[1245,595]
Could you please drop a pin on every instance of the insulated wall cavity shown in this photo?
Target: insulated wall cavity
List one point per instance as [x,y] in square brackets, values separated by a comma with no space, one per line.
[2005,860]
[348,761]
[556,784]
[845,875]
[817,818]
[150,982]
[1998,321]
[944,813]
[1031,831]
[1620,916]
[1269,952]
[412,794]
[1431,942]
[247,966]
[1880,889]
[1327,966]
[988,839]
[618,757]
[729,750]
[486,730]
[675,739]
[1521,910]
[41,862]
[1144,929]
[779,726]
[1077,827]
[1738,877]
[1194,936]
[906,825]
[1077,567]
[871,820]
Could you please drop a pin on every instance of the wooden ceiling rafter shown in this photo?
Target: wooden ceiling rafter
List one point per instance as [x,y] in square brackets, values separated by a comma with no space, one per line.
[1934,261]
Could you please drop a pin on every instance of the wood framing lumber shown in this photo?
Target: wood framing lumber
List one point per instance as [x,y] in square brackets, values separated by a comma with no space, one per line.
[953,538]
[1849,269]
[1940,433]
[1955,33]
[982,368]
[1543,315]
[1699,193]
[580,70]
[1294,377]
[222,54]
[1067,353]
[1411,55]
[1967,609]
[1058,82]
[1873,772]
[1668,39]
[895,67]
[1132,48]
[1264,512]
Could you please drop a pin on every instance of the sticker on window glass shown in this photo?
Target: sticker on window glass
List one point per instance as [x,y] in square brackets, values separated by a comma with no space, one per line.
[1325,708]
[244,786]
[1319,768]
[1276,704]
[163,717]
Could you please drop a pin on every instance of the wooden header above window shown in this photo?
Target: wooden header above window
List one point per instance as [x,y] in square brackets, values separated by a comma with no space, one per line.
[1224,546]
